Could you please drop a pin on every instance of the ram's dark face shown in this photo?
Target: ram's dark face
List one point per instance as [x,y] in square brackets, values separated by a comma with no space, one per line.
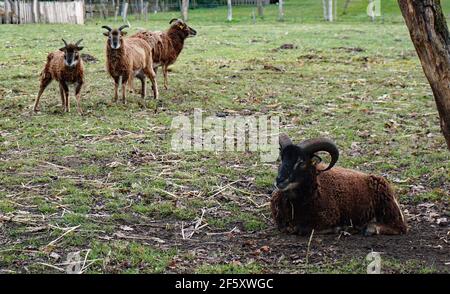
[293,162]
[71,54]
[298,162]
[181,26]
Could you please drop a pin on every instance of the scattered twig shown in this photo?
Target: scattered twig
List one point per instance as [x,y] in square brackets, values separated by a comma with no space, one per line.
[309,246]
[62,236]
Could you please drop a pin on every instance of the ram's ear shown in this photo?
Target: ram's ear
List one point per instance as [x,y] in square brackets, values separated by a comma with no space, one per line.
[123,33]
[106,34]
[63,49]
[284,141]
[80,48]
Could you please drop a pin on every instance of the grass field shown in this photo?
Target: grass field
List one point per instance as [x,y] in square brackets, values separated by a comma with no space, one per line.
[107,183]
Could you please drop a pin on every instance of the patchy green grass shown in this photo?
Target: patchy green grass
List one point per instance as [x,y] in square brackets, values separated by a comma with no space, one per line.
[109,182]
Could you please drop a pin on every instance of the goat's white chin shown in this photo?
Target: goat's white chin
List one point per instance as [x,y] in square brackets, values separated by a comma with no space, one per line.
[115,47]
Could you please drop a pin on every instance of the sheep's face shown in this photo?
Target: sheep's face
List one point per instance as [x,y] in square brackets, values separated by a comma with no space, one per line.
[182,27]
[71,54]
[115,36]
[298,162]
[293,168]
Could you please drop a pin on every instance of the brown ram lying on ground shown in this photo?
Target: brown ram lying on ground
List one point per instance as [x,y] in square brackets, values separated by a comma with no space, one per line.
[167,45]
[126,58]
[65,66]
[312,196]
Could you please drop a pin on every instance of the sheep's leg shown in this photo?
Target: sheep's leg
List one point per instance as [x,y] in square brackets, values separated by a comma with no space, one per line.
[116,92]
[165,71]
[78,96]
[66,92]
[45,81]
[63,96]
[141,77]
[383,229]
[124,87]
[150,73]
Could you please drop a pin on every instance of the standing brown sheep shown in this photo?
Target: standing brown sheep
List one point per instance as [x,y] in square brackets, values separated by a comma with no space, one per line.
[126,58]
[65,66]
[167,45]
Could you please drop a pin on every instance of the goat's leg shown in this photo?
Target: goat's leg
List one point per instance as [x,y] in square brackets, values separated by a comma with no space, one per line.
[383,229]
[124,92]
[66,92]
[141,77]
[165,71]
[116,92]
[45,81]
[78,96]
[150,73]
[63,96]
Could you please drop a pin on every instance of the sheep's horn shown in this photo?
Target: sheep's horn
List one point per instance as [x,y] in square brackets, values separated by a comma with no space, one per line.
[321,144]
[65,43]
[123,27]
[107,28]
[78,42]
[172,20]
[284,141]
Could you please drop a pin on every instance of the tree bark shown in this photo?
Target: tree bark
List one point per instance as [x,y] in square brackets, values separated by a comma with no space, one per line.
[184,9]
[430,36]
[230,11]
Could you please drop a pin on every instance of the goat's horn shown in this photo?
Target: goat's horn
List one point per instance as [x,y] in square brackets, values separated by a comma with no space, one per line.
[78,42]
[321,144]
[107,28]
[123,27]
[284,141]
[65,43]
[172,20]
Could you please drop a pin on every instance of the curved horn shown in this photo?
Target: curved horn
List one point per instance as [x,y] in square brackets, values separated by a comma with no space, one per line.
[172,20]
[78,42]
[321,144]
[284,141]
[107,28]
[65,43]
[123,27]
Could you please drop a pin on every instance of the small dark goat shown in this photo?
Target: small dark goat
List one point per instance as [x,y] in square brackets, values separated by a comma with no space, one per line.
[167,45]
[312,196]
[65,66]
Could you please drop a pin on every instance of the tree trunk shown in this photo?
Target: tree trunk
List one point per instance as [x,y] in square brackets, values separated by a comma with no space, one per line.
[325,9]
[280,10]
[259,3]
[347,3]
[430,36]
[124,11]
[330,10]
[116,12]
[184,9]
[230,11]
